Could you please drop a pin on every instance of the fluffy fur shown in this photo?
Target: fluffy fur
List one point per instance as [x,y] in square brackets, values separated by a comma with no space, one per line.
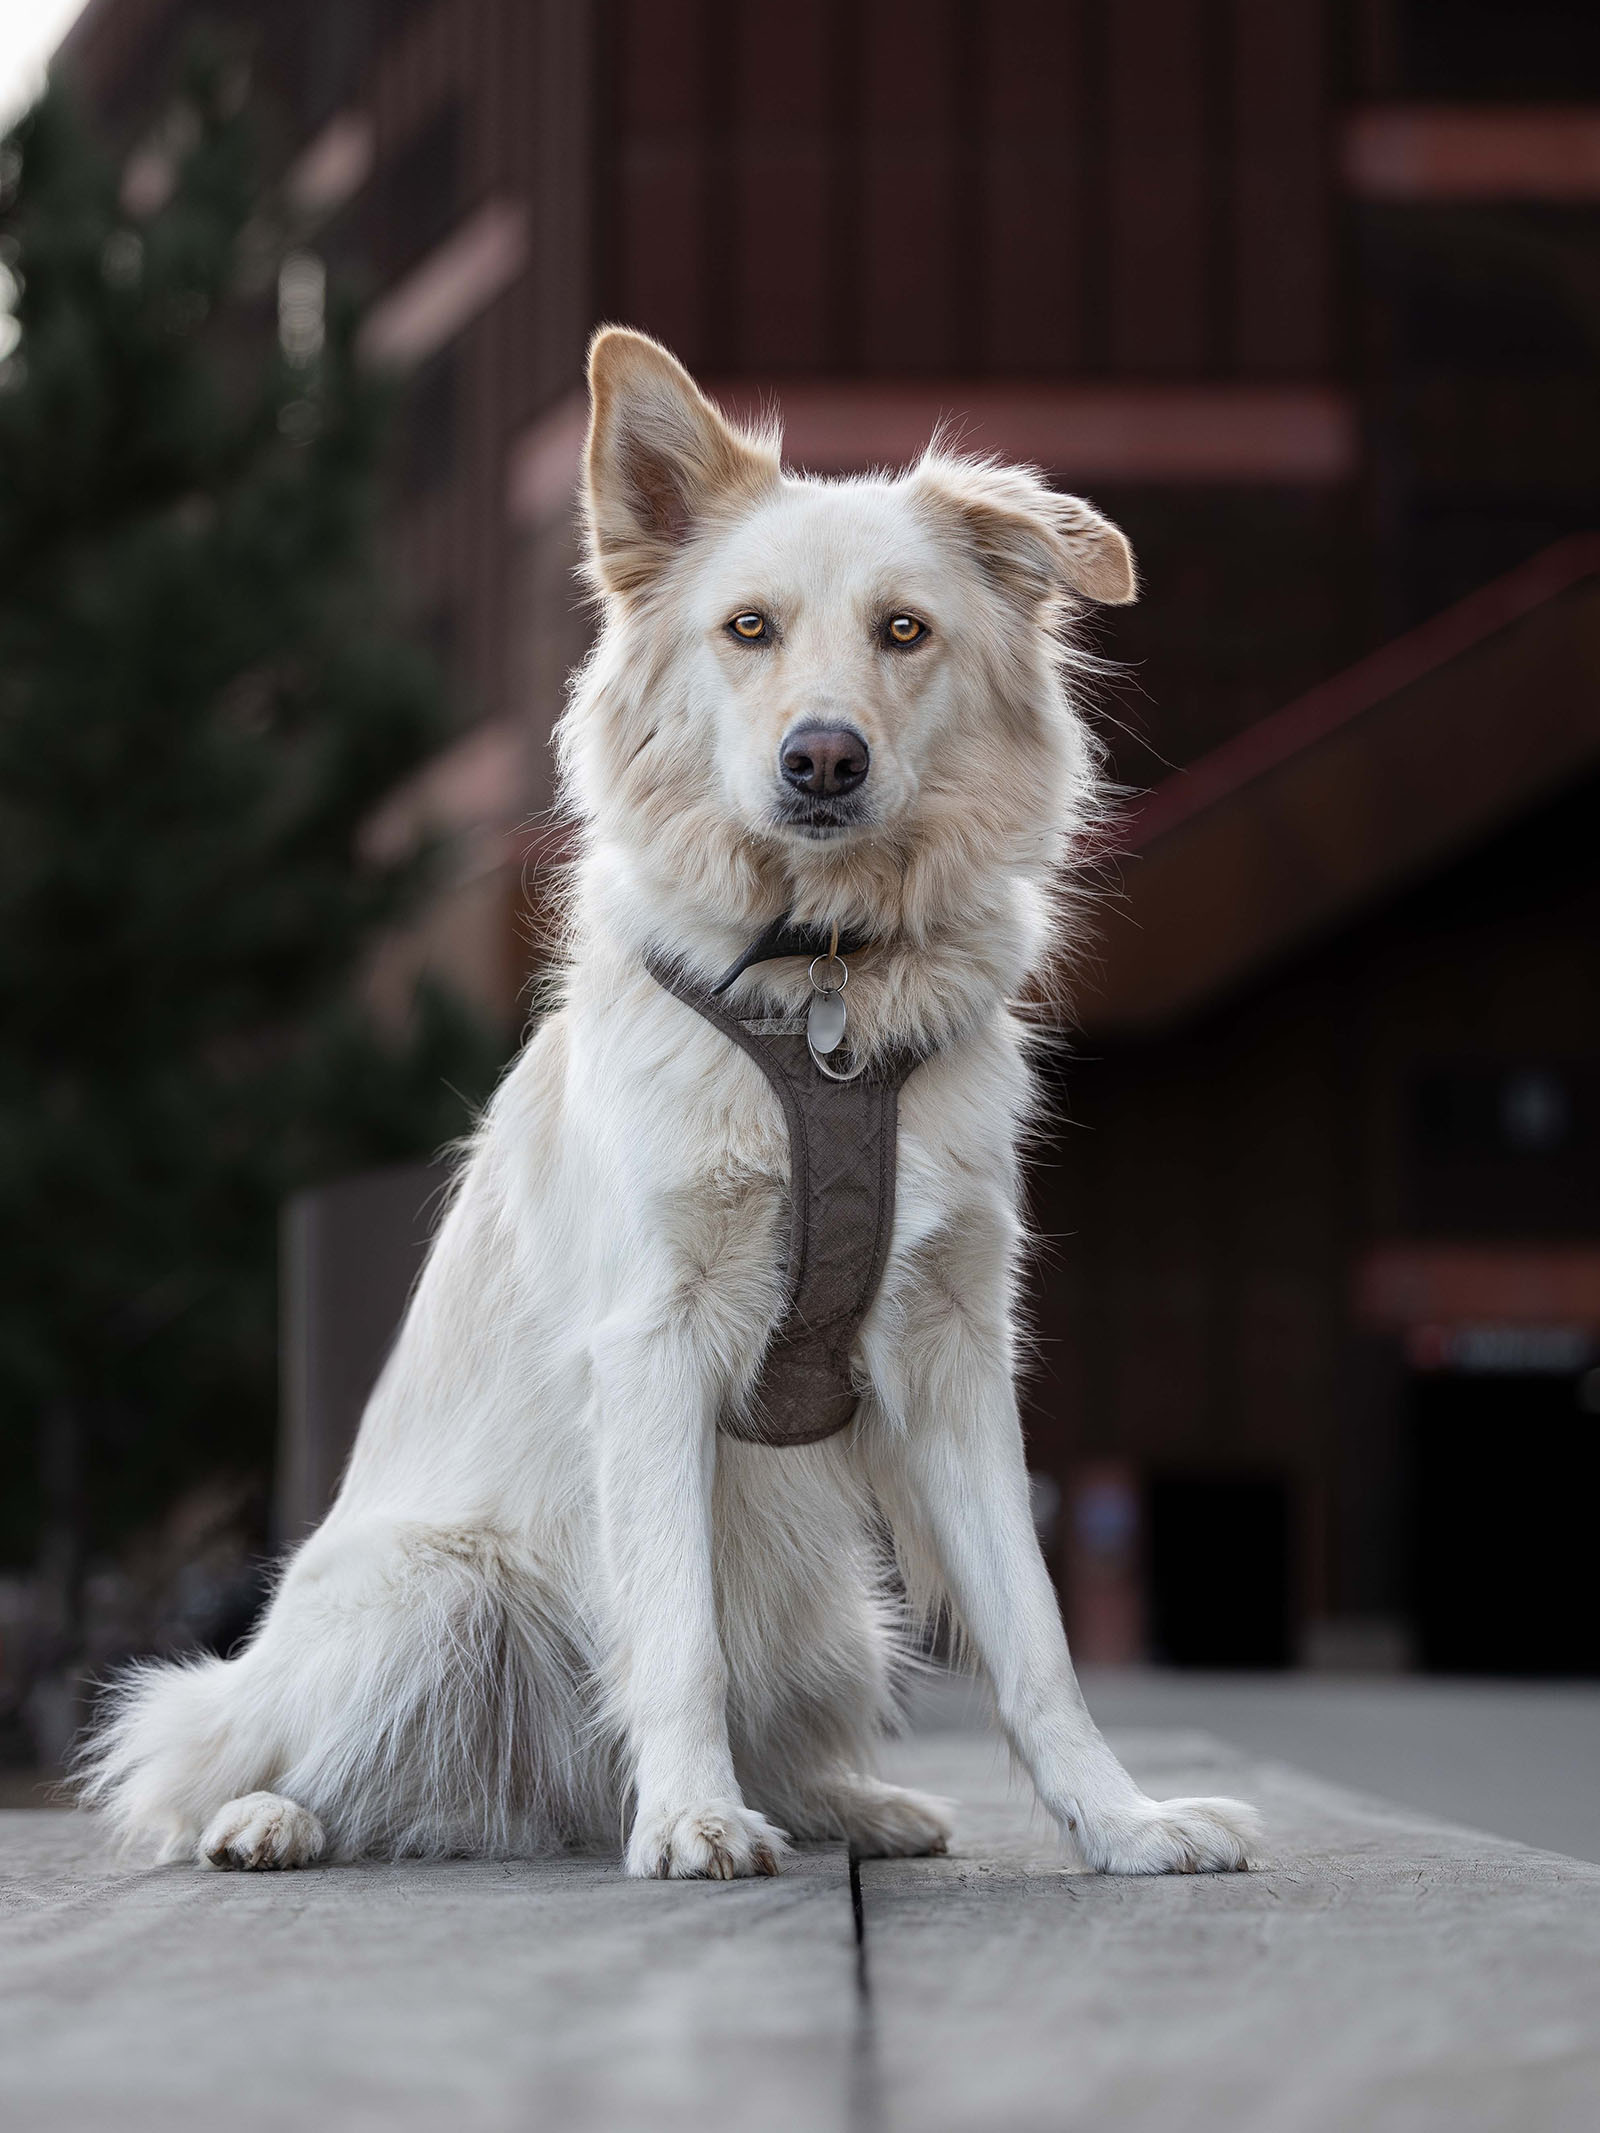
[550,1601]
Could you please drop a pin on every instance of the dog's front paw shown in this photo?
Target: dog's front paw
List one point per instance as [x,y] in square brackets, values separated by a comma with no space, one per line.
[721,1840]
[260,1831]
[1170,1837]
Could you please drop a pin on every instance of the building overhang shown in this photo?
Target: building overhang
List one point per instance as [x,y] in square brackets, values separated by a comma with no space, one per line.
[1357,790]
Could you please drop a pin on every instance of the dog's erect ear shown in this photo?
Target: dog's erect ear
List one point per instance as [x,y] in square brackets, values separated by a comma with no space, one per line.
[661,461]
[1035,543]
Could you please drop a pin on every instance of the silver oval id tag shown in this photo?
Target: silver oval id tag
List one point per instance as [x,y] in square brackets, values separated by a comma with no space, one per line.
[825,1017]
[825,1020]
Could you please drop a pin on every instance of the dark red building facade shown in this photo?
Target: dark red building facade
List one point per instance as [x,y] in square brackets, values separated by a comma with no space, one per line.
[1304,292]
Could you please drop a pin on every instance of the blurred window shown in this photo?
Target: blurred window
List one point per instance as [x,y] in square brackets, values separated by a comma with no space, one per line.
[1491,290]
[1243,612]
[1503,1468]
[1491,334]
[1482,51]
[1507,1149]
[1219,1570]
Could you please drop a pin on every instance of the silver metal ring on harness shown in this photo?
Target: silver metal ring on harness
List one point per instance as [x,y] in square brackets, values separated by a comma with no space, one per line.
[823,1067]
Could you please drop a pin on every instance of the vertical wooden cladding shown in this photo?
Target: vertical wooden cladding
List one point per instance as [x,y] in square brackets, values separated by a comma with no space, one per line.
[1157,194]
[791,189]
[663,105]
[727,157]
[553,83]
[420,78]
[1281,209]
[1043,188]
[803,189]
[486,59]
[474,66]
[1216,186]
[911,269]
[417,72]
[1033,199]
[771,227]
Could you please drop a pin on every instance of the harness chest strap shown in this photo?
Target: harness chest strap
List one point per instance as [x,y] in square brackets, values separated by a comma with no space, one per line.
[842,1144]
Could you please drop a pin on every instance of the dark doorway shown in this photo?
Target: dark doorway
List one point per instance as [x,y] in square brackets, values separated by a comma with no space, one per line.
[1504,1472]
[1218,1570]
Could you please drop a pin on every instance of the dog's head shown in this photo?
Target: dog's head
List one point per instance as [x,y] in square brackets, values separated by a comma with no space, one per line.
[811,688]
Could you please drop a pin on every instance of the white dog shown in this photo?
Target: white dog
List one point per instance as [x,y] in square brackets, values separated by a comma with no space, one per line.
[552,1597]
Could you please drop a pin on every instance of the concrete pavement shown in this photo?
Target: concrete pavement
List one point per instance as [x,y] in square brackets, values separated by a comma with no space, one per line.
[1384,1971]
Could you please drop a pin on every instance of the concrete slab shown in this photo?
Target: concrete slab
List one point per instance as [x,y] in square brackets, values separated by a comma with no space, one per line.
[1384,1971]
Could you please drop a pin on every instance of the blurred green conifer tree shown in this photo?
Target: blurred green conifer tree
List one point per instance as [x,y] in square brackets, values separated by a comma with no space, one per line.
[201,703]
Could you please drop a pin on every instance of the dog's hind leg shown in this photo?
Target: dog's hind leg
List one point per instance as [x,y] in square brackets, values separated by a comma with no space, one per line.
[876,1820]
[409,1692]
[813,1642]
[175,1743]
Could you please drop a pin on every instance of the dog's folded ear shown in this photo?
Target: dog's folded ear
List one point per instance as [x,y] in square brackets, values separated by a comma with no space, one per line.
[1036,544]
[661,461]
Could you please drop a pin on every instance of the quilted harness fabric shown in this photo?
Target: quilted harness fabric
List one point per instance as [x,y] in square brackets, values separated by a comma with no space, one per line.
[842,1143]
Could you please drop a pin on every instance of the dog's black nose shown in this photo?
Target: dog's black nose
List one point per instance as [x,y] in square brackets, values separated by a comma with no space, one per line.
[824,760]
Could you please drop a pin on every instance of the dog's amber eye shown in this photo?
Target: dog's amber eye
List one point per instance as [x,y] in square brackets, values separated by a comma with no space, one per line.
[906,629]
[751,627]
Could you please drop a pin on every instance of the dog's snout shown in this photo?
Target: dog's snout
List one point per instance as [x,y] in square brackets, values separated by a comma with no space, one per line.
[824,760]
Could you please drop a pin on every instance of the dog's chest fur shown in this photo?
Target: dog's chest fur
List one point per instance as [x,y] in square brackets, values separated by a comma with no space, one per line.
[654,1125]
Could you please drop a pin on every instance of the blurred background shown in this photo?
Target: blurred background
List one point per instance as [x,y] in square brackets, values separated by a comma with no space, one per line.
[1305,293]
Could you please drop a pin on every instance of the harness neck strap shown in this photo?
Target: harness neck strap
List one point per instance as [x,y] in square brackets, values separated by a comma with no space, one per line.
[784,937]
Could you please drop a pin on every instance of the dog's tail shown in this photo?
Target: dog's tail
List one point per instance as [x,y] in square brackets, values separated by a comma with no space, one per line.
[171,1740]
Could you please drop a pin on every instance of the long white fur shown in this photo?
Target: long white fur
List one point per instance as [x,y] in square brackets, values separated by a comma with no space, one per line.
[550,1599]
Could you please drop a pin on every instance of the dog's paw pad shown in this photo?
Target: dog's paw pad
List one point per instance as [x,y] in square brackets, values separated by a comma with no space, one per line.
[720,1841]
[1173,1837]
[260,1832]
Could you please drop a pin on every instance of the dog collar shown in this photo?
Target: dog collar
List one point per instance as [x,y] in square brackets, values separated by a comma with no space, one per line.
[784,937]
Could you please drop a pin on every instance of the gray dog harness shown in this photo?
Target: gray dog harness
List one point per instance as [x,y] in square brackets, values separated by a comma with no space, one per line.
[842,1137]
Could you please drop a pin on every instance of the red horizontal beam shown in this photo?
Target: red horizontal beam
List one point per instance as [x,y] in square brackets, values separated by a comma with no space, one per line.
[1400,1285]
[1395,152]
[1157,434]
[1122,433]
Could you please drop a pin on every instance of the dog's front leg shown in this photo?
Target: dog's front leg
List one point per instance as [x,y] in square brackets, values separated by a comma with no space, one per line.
[959,1474]
[670,1679]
